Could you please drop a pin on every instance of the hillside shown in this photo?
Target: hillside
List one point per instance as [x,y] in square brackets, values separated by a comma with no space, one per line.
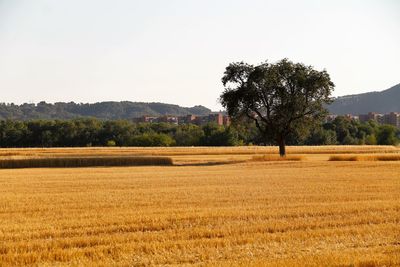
[101,110]
[380,102]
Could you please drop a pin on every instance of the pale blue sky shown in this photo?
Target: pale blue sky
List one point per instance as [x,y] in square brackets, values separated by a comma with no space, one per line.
[176,51]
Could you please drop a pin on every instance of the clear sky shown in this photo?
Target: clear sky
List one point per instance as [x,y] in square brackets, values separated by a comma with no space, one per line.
[175,51]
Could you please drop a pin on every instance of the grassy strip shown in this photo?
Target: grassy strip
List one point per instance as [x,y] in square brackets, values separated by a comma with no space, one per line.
[365,158]
[71,162]
[277,158]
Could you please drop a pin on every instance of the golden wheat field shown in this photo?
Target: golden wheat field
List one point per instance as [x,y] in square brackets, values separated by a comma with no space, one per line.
[213,206]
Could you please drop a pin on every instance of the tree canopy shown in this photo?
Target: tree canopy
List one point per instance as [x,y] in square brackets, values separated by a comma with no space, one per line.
[93,132]
[282,99]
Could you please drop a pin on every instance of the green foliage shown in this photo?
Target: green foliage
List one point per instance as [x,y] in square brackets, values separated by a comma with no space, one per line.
[352,132]
[215,135]
[284,99]
[92,132]
[370,140]
[319,136]
[152,139]
[189,135]
[247,131]
[388,135]
[116,131]
[110,143]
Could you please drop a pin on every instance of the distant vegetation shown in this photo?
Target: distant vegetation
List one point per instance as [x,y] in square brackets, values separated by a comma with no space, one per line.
[94,132]
[380,102]
[346,131]
[101,110]
[282,98]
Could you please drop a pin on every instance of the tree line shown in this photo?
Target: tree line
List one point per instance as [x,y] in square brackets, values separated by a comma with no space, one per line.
[94,132]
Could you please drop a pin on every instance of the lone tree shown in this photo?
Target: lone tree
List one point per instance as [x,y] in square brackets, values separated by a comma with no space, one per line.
[282,99]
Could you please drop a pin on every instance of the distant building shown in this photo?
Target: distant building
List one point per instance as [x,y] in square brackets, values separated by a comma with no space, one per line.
[217,118]
[371,116]
[146,119]
[393,118]
[168,119]
[187,119]
[226,120]
[331,117]
[352,117]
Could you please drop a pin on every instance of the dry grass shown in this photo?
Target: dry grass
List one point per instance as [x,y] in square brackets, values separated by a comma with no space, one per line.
[393,157]
[76,162]
[277,158]
[197,155]
[190,151]
[313,213]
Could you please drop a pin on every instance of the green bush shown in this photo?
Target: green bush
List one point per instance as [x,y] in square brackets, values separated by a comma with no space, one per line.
[152,139]
[110,143]
[387,135]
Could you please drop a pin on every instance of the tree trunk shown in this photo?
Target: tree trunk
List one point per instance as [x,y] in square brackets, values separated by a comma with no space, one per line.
[282,147]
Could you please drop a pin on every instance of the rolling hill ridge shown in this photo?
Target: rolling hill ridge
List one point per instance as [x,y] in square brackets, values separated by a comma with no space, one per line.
[381,102]
[101,110]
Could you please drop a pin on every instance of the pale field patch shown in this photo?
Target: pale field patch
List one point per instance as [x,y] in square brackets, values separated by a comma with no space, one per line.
[313,212]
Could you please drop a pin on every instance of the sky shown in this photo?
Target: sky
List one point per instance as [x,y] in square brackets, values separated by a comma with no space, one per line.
[176,51]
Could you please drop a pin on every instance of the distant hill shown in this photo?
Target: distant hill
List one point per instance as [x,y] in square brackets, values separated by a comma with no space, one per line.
[380,102]
[101,110]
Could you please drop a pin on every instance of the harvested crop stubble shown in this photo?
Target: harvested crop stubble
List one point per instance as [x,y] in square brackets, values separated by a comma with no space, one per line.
[303,213]
[277,158]
[395,157]
[84,162]
[183,151]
